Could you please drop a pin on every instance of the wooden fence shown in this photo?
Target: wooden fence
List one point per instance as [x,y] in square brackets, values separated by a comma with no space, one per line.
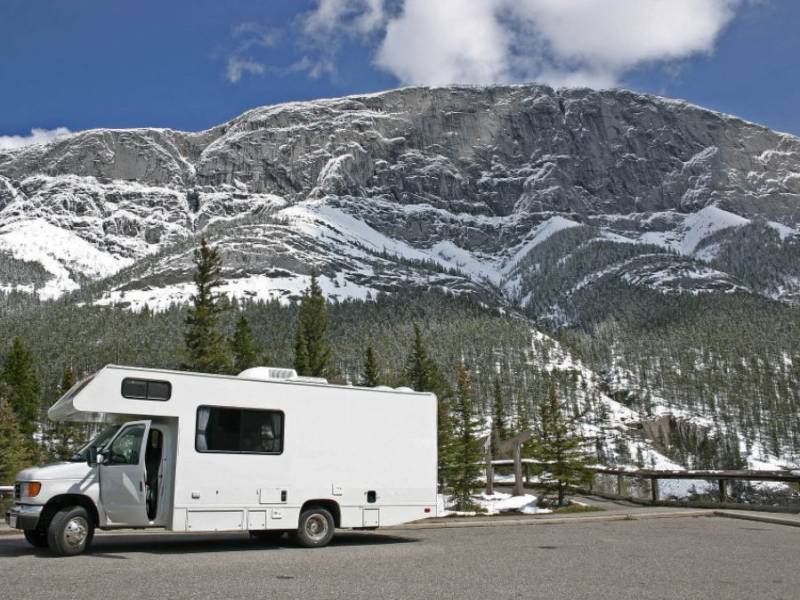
[722,478]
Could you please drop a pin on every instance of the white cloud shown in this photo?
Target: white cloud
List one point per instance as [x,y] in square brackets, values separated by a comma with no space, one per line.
[446,41]
[238,66]
[348,16]
[329,24]
[562,42]
[253,35]
[37,136]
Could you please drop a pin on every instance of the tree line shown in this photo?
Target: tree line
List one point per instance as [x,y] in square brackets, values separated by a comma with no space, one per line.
[462,427]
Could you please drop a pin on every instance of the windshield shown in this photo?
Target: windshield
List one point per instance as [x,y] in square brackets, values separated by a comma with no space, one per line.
[100,440]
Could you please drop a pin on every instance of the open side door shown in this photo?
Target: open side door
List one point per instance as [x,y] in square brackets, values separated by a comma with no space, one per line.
[122,476]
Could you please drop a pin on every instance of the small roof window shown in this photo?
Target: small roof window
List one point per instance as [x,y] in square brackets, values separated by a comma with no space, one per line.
[146,389]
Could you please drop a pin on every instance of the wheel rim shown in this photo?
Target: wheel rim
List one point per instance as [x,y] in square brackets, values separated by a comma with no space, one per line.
[75,532]
[316,527]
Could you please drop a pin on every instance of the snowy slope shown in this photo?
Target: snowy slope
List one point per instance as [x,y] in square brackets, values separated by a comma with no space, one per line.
[466,188]
[523,196]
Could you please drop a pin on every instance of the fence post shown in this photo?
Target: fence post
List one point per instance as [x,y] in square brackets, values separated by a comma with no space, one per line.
[619,484]
[519,490]
[654,489]
[722,492]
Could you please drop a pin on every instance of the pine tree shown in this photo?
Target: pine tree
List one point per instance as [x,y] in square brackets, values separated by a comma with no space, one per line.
[559,448]
[423,375]
[371,375]
[523,422]
[300,352]
[12,445]
[63,439]
[243,346]
[22,387]
[467,454]
[312,350]
[418,366]
[499,417]
[206,350]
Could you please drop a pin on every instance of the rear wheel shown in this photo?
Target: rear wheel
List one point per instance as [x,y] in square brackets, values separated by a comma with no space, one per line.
[36,538]
[315,528]
[70,532]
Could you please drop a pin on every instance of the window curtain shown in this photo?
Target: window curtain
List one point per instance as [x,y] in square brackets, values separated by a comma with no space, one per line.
[277,424]
[203,415]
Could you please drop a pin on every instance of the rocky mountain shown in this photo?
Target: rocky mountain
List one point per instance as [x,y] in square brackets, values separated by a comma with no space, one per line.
[523,195]
[567,206]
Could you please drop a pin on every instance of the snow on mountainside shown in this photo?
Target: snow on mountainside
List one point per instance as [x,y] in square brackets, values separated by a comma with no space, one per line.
[468,188]
[523,196]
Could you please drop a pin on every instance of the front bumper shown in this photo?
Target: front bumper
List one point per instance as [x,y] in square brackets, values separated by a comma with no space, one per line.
[23,516]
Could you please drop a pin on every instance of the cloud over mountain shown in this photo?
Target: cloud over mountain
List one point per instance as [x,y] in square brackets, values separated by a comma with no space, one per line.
[37,136]
[561,42]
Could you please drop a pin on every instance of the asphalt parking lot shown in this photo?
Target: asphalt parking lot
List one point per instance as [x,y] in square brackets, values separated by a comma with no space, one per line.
[675,558]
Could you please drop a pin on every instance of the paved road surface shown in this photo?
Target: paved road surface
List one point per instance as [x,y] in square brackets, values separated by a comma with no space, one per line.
[676,558]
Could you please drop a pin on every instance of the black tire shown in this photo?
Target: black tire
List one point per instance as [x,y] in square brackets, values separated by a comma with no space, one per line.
[315,528]
[70,531]
[36,538]
[270,536]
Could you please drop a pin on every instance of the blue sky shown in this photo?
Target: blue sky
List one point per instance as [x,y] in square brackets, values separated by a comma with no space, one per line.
[193,64]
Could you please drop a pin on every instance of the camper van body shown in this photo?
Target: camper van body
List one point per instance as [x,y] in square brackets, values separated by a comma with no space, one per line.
[199,453]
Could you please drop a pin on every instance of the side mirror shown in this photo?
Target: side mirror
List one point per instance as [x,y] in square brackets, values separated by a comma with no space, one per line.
[94,458]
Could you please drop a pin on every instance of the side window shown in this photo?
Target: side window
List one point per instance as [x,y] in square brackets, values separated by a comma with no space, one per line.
[146,389]
[125,449]
[239,430]
[262,431]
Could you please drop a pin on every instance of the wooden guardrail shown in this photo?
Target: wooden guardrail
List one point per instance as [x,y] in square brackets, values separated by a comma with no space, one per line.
[721,477]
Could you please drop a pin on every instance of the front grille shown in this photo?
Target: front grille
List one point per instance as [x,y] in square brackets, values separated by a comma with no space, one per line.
[17,487]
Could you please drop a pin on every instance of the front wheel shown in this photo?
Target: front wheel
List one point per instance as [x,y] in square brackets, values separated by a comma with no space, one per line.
[70,531]
[36,538]
[315,528]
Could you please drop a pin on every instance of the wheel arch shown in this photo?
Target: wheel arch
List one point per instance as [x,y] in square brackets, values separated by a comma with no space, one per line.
[56,503]
[330,505]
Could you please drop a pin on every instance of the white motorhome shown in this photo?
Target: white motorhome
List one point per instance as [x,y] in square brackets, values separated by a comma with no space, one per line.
[265,452]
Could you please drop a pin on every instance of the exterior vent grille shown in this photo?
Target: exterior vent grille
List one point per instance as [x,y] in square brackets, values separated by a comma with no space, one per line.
[275,373]
[268,373]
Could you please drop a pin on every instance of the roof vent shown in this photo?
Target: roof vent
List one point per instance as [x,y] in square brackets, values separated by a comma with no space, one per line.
[268,374]
[320,380]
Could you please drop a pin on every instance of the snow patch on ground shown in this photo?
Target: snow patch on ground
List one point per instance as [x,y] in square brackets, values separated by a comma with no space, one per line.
[695,228]
[60,252]
[539,234]
[500,502]
[254,287]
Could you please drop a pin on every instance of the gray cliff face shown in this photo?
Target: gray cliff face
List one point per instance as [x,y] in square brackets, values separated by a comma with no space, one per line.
[523,194]
[512,150]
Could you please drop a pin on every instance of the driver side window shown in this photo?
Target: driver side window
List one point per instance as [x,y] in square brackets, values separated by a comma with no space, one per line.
[126,447]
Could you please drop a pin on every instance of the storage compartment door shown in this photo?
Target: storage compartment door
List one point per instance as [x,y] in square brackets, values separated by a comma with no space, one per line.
[372,517]
[215,520]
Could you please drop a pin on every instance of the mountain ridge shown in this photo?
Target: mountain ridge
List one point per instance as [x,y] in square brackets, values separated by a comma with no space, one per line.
[574,209]
[463,178]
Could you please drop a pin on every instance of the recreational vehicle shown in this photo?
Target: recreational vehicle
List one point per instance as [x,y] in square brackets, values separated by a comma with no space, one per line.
[266,452]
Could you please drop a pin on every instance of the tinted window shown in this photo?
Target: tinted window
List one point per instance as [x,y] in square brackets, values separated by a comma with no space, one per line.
[125,449]
[239,430]
[158,390]
[146,389]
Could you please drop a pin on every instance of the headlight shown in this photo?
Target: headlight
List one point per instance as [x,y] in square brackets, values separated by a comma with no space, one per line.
[30,489]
